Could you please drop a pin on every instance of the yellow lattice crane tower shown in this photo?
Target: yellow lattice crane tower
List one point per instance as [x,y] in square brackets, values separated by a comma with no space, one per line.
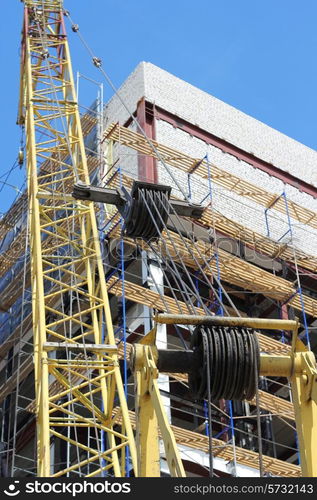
[80,398]
[69,295]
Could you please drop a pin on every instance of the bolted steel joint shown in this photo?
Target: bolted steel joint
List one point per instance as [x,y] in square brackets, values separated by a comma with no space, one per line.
[136,361]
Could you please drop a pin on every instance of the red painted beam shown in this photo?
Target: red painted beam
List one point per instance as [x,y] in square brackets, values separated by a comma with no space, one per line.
[240,154]
[284,311]
[147,168]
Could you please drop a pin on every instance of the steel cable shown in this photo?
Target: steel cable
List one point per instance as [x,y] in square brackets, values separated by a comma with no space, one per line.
[97,63]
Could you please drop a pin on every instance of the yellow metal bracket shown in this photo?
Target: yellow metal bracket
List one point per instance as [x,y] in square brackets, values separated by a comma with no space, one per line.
[304,390]
[151,418]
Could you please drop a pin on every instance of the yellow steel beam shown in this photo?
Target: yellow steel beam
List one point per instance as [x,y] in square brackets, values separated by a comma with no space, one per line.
[147,438]
[140,295]
[16,248]
[38,301]
[301,369]
[49,105]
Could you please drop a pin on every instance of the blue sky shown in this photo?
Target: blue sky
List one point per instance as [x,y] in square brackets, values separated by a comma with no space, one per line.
[257,55]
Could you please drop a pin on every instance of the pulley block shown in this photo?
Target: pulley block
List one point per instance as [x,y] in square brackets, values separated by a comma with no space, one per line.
[145,209]
[234,359]
[233,356]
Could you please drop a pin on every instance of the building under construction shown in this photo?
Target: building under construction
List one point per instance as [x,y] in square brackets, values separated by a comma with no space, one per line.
[158,281]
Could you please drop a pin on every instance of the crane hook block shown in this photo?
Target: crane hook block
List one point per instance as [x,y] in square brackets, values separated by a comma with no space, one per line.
[234,363]
[145,209]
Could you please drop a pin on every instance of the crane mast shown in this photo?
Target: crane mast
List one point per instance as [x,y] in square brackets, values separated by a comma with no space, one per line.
[77,375]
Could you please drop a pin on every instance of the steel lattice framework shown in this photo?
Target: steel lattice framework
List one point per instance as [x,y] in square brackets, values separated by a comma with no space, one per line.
[71,314]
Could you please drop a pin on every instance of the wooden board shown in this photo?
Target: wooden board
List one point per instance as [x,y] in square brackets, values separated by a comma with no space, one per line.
[225,179]
[228,452]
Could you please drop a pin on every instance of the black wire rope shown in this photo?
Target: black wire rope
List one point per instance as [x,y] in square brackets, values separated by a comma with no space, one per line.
[210,444]
[192,290]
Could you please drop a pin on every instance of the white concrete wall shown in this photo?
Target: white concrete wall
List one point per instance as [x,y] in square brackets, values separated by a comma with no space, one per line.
[215,116]
[226,122]
[233,206]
